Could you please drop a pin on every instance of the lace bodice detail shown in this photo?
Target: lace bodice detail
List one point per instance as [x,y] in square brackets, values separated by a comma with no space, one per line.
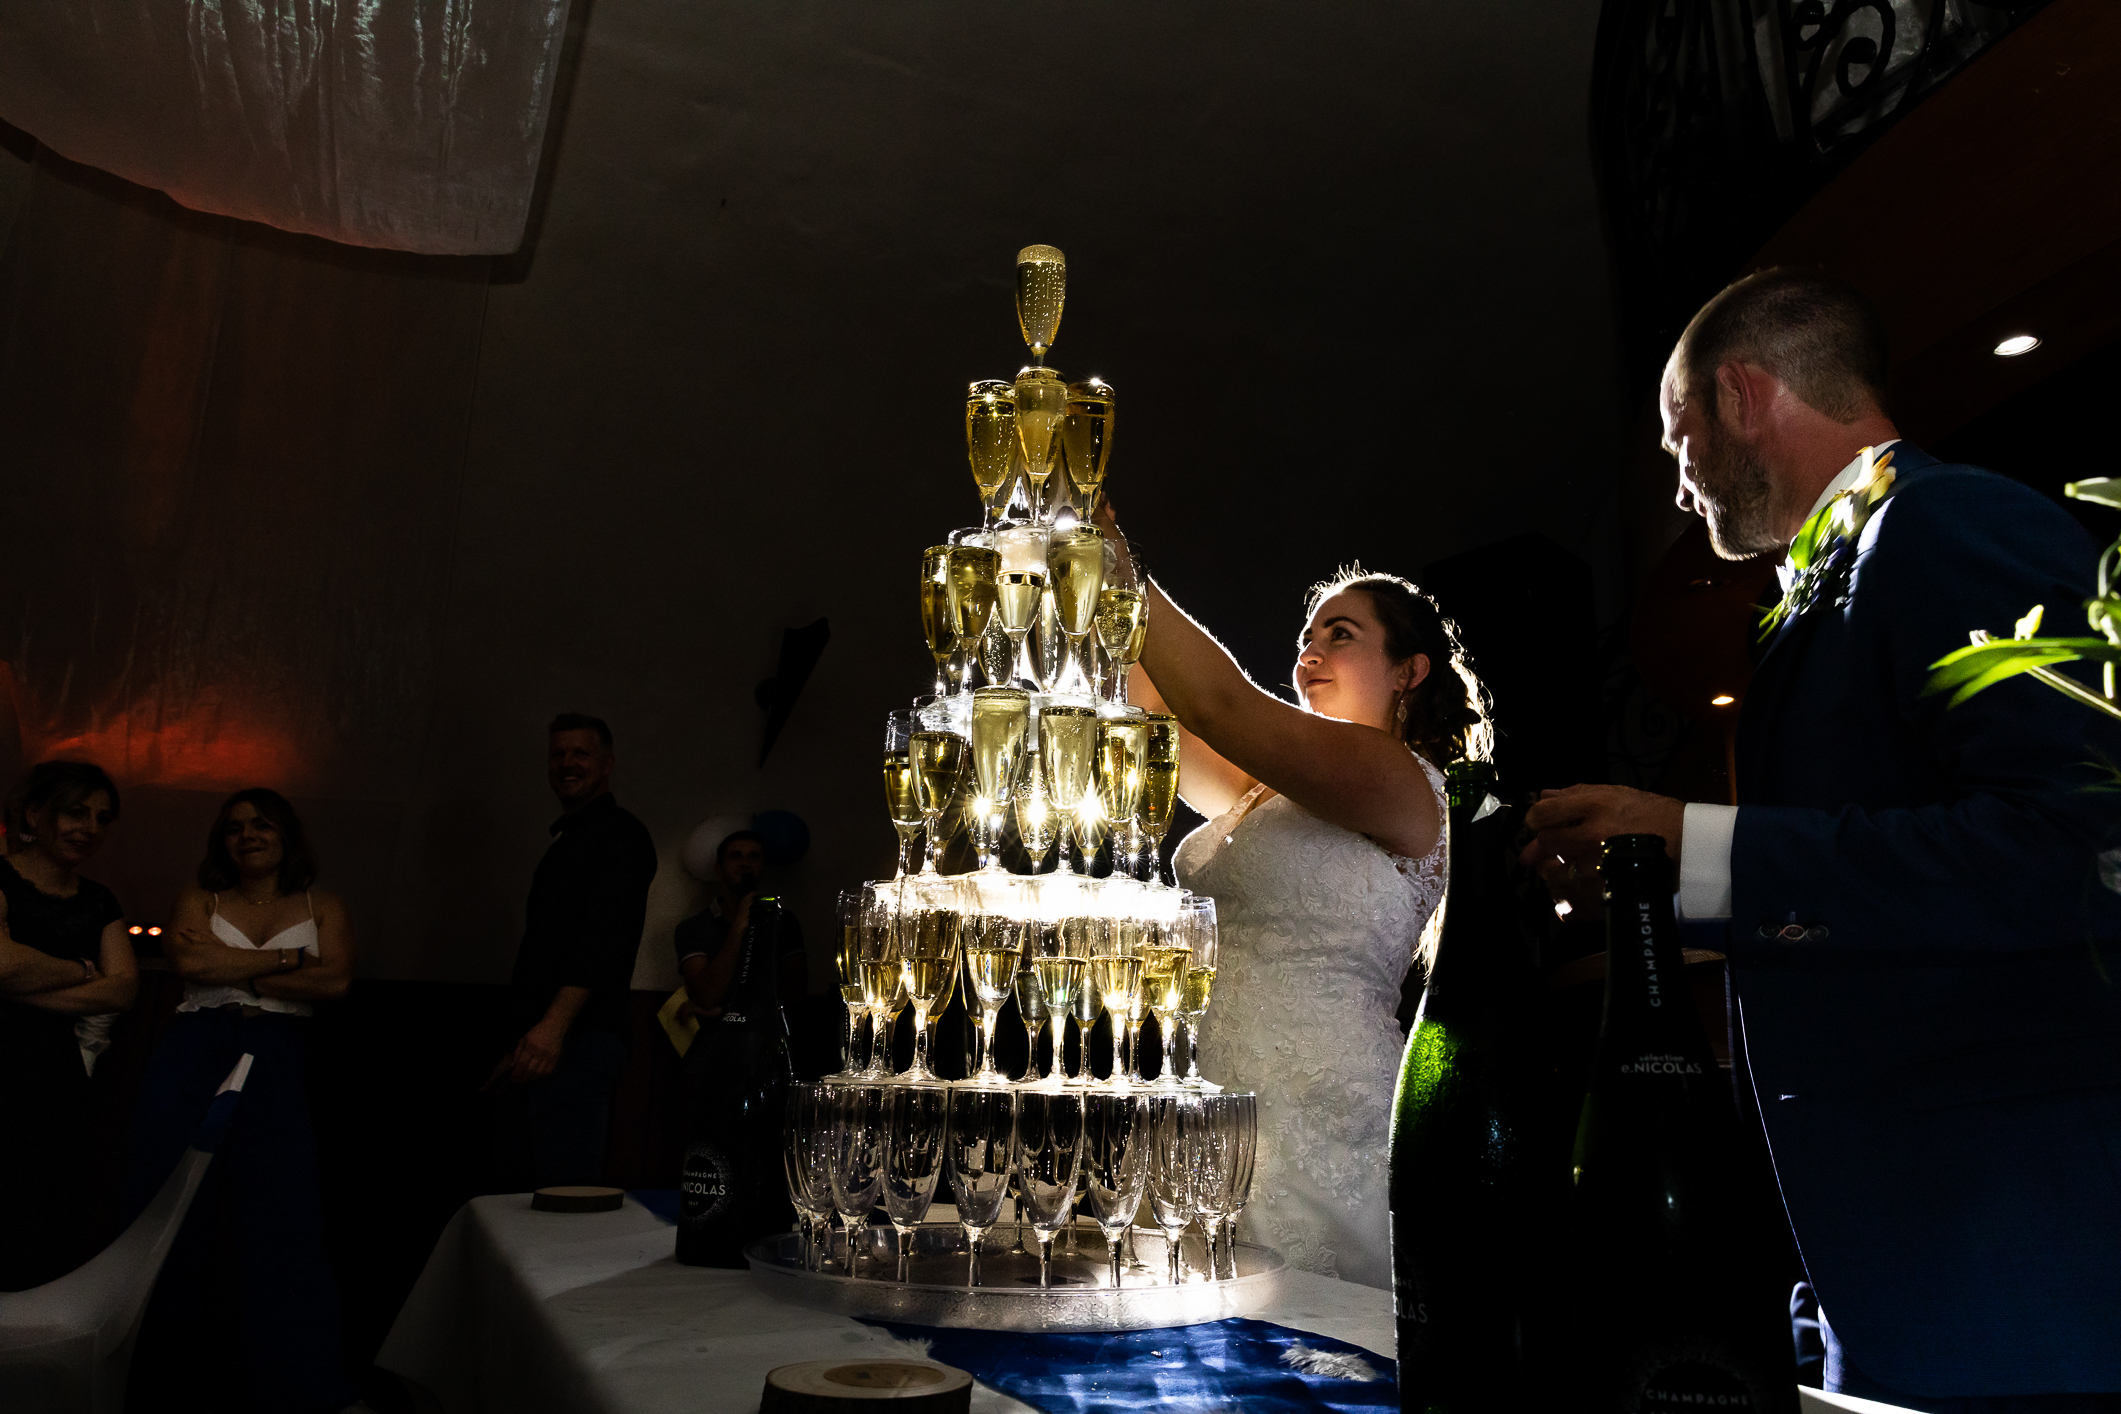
[1318,927]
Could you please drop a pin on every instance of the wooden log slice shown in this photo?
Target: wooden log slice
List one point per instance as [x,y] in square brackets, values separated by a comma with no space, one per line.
[843,1386]
[578,1198]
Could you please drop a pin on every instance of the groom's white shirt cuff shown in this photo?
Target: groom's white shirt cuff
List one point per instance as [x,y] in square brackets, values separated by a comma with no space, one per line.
[1705,861]
[1705,838]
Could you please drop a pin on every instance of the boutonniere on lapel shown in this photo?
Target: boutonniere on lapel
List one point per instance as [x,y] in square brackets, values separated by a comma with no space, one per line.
[1823,556]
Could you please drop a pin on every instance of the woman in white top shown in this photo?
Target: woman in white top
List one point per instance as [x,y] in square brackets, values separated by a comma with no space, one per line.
[256,946]
[1326,854]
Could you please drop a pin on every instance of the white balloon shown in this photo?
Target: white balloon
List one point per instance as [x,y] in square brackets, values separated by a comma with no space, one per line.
[700,845]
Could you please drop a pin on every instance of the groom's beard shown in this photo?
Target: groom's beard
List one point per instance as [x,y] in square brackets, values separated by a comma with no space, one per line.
[1732,485]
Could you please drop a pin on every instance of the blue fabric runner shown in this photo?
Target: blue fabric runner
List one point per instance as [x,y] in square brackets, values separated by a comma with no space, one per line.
[1240,1363]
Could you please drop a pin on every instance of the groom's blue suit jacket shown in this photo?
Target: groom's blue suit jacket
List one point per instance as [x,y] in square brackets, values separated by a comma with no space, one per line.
[1939,1074]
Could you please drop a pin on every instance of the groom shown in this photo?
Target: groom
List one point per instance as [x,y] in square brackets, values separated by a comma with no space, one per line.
[1927,969]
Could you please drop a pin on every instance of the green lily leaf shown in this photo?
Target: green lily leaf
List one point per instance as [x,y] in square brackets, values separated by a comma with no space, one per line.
[2105,490]
[1981,666]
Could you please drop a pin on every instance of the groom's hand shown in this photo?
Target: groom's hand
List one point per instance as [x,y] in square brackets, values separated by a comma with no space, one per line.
[1569,825]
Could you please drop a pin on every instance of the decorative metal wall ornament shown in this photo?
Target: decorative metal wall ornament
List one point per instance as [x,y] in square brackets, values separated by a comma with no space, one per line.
[1714,121]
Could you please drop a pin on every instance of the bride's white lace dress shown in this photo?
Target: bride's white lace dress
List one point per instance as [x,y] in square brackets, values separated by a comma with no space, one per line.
[1318,925]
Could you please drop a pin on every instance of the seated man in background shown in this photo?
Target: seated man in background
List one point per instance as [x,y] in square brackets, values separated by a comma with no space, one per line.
[568,999]
[1922,953]
[735,960]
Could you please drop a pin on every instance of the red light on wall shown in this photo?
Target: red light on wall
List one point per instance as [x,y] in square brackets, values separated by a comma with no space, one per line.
[154,932]
[136,930]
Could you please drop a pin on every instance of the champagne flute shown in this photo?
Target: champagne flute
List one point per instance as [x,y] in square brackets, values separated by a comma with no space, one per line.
[883,979]
[1118,975]
[1001,720]
[1037,822]
[913,1120]
[1122,750]
[1041,407]
[928,939]
[1067,741]
[847,962]
[1136,935]
[1049,1155]
[970,569]
[900,796]
[938,615]
[803,1163]
[1122,614]
[1233,1128]
[1115,1165]
[1159,794]
[1164,966]
[1086,436]
[981,1144]
[1017,597]
[1089,1005]
[1031,1008]
[1041,291]
[938,761]
[990,439]
[1075,565]
[857,1170]
[1046,649]
[993,953]
[1060,965]
[1174,1124]
[1202,944]
[1079,939]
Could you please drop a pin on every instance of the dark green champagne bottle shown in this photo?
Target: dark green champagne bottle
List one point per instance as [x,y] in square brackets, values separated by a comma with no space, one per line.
[731,1190]
[1477,1184]
[1679,1301]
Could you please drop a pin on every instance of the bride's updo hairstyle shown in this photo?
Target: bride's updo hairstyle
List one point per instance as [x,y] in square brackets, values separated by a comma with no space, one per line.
[1448,716]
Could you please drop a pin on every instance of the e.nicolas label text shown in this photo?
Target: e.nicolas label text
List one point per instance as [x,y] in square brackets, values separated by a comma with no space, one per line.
[1661,1065]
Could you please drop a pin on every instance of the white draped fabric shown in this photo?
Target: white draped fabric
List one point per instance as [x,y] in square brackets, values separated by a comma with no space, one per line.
[407,124]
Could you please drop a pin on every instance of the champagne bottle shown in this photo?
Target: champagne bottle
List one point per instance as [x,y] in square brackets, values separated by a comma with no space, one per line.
[1679,1300]
[1477,1187]
[731,1190]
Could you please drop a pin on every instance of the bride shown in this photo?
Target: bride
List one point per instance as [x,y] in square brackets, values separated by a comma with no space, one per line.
[1325,853]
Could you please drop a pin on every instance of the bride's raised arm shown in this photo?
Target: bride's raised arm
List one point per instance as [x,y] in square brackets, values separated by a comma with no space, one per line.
[1353,773]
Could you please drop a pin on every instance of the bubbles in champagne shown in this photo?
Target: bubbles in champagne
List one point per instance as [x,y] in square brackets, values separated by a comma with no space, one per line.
[1122,623]
[1086,434]
[1041,408]
[938,618]
[1041,290]
[1066,738]
[1122,749]
[990,434]
[1076,561]
[901,797]
[971,570]
[1001,717]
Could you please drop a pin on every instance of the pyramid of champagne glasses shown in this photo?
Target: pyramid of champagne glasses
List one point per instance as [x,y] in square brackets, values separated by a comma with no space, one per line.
[1022,769]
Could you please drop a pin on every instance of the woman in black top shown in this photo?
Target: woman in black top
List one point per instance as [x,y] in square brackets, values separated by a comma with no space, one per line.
[64,954]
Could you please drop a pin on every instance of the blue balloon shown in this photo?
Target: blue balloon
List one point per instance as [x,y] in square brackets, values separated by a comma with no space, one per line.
[784,834]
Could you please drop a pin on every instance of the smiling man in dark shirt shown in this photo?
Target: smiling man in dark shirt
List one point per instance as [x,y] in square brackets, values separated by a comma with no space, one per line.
[568,997]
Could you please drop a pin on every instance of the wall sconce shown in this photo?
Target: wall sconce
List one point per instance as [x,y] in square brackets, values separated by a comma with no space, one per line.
[2017,344]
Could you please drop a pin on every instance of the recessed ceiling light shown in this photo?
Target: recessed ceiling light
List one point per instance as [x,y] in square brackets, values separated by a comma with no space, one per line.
[2017,344]
[1722,699]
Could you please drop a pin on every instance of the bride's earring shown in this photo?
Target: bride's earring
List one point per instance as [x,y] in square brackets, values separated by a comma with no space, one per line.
[1399,716]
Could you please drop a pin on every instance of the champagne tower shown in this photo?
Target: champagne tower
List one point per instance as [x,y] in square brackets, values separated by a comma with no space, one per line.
[1023,767]
[1031,800]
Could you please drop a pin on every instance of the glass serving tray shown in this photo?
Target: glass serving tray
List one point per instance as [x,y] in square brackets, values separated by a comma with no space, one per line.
[1009,1297]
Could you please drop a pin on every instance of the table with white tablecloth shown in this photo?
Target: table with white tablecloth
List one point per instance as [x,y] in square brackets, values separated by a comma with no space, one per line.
[529,1311]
